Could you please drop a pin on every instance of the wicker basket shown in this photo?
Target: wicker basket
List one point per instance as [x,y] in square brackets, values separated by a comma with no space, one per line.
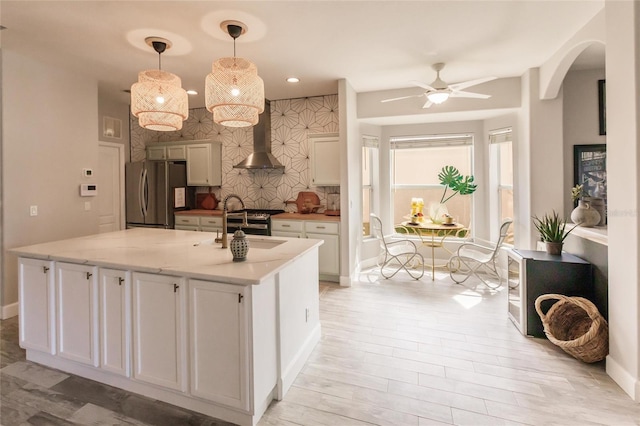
[575,325]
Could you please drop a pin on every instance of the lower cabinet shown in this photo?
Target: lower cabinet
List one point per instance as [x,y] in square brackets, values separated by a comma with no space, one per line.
[159,334]
[77,310]
[198,223]
[329,232]
[187,223]
[219,344]
[36,305]
[114,287]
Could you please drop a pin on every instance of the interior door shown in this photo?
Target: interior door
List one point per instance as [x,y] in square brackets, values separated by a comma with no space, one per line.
[110,179]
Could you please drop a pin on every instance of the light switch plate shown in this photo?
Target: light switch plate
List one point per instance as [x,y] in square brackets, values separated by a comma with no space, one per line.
[33,211]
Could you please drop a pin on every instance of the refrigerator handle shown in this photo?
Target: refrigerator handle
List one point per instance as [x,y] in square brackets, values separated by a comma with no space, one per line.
[144,195]
[140,199]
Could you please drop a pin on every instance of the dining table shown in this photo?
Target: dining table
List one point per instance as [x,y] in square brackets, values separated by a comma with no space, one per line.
[433,235]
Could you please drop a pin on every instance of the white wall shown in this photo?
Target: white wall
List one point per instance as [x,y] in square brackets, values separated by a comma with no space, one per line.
[49,135]
[580,110]
[351,183]
[623,175]
[107,106]
[539,165]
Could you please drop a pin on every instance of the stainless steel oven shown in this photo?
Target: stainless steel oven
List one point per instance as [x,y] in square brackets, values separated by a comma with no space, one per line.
[258,222]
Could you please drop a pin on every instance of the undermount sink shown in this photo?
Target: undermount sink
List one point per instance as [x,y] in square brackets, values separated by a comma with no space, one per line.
[254,242]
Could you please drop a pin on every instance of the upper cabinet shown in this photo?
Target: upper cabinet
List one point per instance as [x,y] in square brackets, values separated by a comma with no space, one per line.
[156,152]
[325,159]
[203,157]
[204,164]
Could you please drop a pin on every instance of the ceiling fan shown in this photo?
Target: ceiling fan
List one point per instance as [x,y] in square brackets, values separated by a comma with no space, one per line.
[439,91]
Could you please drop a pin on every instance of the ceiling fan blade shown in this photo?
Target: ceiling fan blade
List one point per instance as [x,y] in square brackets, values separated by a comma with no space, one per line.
[465,84]
[423,85]
[461,94]
[402,97]
[427,104]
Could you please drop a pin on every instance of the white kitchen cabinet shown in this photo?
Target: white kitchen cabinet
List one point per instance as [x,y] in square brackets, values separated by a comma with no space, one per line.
[156,153]
[187,223]
[287,228]
[204,164]
[325,159]
[329,232]
[198,223]
[176,152]
[210,223]
[77,309]
[159,330]
[219,343]
[329,252]
[114,288]
[36,304]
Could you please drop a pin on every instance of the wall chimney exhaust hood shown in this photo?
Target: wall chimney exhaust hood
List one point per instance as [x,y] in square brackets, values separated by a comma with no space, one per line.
[261,158]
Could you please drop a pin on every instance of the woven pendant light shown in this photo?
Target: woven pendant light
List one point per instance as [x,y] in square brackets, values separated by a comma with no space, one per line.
[158,99]
[234,92]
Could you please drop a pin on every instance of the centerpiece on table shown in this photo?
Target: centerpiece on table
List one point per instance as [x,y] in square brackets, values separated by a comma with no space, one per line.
[454,181]
[552,231]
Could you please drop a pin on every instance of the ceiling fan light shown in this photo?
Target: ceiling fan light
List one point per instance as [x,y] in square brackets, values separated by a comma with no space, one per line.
[438,97]
[158,101]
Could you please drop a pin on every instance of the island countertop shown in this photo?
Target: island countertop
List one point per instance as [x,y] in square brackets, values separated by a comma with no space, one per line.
[172,252]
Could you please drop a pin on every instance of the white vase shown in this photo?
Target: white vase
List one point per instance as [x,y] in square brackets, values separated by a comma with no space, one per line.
[437,212]
[585,215]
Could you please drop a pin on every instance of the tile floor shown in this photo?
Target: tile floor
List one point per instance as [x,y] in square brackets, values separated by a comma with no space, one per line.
[393,352]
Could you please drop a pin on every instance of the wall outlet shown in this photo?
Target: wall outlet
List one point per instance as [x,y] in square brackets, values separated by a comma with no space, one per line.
[33,211]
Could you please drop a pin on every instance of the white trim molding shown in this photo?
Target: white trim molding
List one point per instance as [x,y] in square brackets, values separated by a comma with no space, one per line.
[9,311]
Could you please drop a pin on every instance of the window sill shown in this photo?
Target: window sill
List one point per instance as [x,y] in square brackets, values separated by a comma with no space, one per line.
[596,234]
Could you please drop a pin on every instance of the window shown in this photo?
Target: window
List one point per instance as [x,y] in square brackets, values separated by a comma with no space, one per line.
[369,165]
[502,157]
[416,162]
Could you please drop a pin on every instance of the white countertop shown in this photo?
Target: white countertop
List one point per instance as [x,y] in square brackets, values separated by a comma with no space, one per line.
[180,253]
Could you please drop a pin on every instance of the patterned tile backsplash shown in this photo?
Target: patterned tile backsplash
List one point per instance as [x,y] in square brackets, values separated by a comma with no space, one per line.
[292,120]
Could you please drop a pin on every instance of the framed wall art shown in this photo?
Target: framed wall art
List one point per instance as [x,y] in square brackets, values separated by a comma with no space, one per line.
[590,169]
[602,112]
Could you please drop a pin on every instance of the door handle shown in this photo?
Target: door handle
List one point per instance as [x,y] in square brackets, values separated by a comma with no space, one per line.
[89,275]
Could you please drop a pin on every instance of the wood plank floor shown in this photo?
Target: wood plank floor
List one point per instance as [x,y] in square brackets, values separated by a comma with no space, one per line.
[393,352]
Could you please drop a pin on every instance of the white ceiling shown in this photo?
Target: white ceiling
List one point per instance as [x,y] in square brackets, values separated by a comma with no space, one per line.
[375,45]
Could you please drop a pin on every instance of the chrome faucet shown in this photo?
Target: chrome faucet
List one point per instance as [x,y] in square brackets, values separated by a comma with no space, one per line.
[226,214]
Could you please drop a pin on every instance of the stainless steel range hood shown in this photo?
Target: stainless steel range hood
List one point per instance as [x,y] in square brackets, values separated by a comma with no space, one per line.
[261,158]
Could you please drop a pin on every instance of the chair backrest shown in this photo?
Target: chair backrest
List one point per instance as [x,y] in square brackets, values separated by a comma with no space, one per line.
[504,232]
[376,230]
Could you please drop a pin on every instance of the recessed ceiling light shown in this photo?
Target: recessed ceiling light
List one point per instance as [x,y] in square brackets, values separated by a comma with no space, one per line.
[191,92]
[293,80]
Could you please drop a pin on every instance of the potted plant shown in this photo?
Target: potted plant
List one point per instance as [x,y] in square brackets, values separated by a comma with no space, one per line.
[552,231]
[452,180]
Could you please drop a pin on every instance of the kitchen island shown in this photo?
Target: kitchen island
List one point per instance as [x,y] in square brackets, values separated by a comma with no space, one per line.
[168,314]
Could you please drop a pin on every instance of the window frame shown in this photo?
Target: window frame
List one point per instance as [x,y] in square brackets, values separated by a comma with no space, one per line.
[428,142]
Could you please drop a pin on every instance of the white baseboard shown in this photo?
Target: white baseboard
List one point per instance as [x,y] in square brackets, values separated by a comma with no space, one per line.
[626,381]
[9,311]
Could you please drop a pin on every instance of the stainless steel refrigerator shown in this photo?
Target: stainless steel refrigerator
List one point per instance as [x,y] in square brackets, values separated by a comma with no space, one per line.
[155,191]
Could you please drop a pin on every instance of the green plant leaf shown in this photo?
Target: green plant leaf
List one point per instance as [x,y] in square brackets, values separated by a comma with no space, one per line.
[449,176]
[551,228]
